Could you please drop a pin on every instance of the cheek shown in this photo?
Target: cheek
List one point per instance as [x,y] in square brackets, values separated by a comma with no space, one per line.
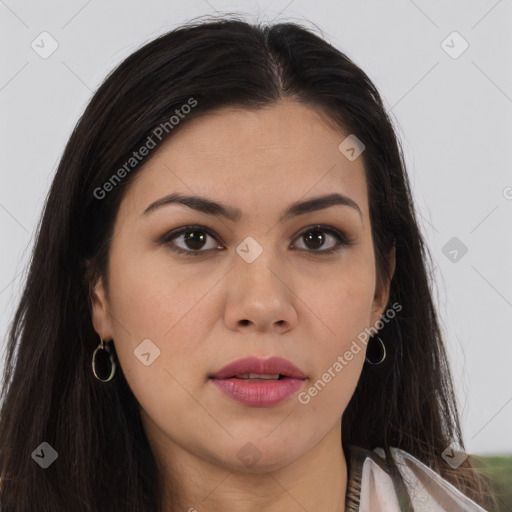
[151,300]
[342,296]
[157,304]
[343,303]
[152,295]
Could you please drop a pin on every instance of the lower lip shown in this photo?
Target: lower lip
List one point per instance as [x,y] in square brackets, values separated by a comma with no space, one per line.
[259,394]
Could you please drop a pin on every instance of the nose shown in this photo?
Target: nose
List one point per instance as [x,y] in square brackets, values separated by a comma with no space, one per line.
[260,298]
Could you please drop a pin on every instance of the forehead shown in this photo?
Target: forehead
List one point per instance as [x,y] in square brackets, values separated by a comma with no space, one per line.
[257,158]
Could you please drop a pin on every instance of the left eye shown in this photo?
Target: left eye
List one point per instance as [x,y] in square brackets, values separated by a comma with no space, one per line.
[315,238]
[195,240]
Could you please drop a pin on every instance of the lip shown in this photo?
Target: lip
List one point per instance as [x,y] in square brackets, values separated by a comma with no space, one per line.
[262,366]
[259,394]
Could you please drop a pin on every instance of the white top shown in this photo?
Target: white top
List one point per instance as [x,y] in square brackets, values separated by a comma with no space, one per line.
[428,491]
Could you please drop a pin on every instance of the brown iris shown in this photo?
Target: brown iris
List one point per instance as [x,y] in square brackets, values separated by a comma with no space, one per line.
[314,237]
[195,239]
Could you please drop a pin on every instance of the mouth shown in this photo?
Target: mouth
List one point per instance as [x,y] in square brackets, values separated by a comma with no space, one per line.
[259,382]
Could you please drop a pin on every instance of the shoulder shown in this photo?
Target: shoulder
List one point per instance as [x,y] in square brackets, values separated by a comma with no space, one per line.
[374,485]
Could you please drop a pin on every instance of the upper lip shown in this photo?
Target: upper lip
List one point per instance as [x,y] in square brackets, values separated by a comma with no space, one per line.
[269,366]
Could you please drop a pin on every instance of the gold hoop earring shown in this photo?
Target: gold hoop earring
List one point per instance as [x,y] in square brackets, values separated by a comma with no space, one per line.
[103,362]
[383,353]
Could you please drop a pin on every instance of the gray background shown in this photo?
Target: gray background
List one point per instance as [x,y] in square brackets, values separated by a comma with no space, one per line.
[453,116]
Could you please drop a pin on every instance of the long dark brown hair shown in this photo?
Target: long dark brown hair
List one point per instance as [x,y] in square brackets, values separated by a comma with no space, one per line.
[49,392]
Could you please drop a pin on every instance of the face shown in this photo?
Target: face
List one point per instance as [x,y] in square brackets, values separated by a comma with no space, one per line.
[276,276]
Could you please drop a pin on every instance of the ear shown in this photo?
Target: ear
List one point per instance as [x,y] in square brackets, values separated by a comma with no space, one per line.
[381,297]
[100,311]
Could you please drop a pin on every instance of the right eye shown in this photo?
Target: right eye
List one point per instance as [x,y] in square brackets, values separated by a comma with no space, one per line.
[194,240]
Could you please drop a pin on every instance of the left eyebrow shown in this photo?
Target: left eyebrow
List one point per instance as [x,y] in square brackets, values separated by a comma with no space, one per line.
[320,203]
[210,207]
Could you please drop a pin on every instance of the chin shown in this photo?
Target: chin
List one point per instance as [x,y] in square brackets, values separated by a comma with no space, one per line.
[261,456]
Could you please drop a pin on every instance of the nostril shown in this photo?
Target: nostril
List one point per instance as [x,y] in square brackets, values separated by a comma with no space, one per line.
[245,322]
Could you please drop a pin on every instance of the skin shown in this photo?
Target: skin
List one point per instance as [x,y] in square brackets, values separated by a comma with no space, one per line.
[205,311]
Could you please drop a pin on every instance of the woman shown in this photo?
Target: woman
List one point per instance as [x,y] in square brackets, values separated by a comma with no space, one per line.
[228,304]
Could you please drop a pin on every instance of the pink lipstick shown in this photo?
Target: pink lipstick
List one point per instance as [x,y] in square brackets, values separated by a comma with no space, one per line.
[259,382]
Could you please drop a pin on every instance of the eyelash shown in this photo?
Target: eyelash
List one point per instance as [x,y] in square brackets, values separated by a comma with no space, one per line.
[341,239]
